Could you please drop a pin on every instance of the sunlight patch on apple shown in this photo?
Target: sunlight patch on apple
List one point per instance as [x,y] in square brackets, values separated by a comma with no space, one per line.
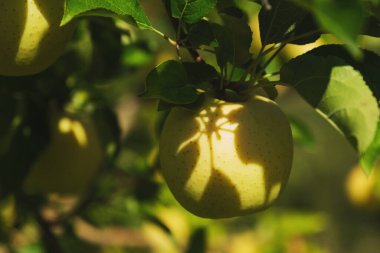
[27,52]
[216,137]
[66,125]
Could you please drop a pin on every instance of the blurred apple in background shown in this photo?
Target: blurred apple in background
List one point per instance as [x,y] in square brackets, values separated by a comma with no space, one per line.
[361,188]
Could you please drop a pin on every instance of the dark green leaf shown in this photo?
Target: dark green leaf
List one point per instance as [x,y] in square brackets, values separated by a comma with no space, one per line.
[25,137]
[109,132]
[165,106]
[198,241]
[225,4]
[201,33]
[285,19]
[234,41]
[120,7]
[9,122]
[301,133]
[306,26]
[372,27]
[271,91]
[70,242]
[191,11]
[339,92]
[370,159]
[169,82]
[343,18]
[155,220]
[136,55]
[200,72]
[373,6]
[234,73]
[232,11]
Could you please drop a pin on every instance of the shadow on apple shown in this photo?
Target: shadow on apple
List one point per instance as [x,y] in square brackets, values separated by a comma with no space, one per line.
[226,161]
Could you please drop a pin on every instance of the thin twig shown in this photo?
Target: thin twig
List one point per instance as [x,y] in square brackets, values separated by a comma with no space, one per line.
[301,36]
[252,66]
[176,25]
[266,64]
[266,5]
[269,75]
[252,69]
[270,84]
[289,40]
[49,240]
[221,84]
[265,41]
[165,37]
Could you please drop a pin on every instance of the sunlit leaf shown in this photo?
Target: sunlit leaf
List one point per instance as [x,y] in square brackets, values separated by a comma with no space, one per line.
[191,11]
[169,82]
[343,18]
[122,8]
[369,160]
[368,65]
[339,92]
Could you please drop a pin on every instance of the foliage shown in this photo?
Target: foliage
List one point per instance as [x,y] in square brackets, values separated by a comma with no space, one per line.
[174,53]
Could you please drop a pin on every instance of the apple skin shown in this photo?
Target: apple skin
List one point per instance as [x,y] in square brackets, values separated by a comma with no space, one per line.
[226,159]
[31,37]
[361,189]
[70,161]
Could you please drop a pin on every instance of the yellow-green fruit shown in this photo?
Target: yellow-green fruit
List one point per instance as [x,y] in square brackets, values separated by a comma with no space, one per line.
[360,188]
[71,159]
[227,159]
[31,38]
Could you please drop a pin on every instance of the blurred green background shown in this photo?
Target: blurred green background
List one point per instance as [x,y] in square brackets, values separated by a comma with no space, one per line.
[128,208]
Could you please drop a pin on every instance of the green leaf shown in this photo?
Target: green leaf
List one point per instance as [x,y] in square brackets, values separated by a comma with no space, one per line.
[201,33]
[169,82]
[372,27]
[339,92]
[191,11]
[199,72]
[373,6]
[368,65]
[343,18]
[109,132]
[285,19]
[9,122]
[136,55]
[155,220]
[130,8]
[234,41]
[371,157]
[301,133]
[197,242]
[114,207]
[231,39]
[304,26]
[234,73]
[233,11]
[194,106]
[25,137]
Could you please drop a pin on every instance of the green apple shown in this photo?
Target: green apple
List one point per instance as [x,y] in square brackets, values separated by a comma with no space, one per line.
[361,189]
[71,159]
[31,37]
[226,159]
